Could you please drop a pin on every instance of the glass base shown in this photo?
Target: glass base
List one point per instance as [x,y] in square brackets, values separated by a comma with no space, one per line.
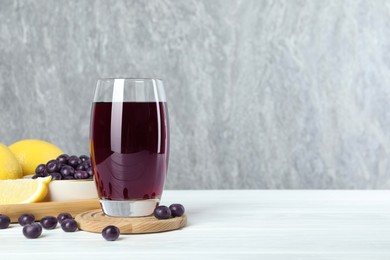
[129,208]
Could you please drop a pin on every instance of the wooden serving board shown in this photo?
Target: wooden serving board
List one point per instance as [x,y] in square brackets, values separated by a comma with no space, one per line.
[96,220]
[42,209]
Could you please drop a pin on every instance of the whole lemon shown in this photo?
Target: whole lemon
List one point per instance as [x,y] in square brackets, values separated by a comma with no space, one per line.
[31,152]
[9,165]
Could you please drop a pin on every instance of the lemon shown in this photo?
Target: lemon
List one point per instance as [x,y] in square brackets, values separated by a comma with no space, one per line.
[31,152]
[9,165]
[24,190]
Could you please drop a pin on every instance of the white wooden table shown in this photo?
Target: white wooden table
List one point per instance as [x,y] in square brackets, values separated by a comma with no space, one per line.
[236,224]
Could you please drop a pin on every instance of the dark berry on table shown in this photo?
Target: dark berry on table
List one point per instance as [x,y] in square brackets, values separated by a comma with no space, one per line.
[162,212]
[84,158]
[4,221]
[53,166]
[111,233]
[40,169]
[32,230]
[49,222]
[25,219]
[70,177]
[62,216]
[81,175]
[74,160]
[177,210]
[67,170]
[69,225]
[56,176]
[63,158]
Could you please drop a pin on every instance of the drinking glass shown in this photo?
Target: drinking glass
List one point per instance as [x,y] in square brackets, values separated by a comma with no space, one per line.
[129,141]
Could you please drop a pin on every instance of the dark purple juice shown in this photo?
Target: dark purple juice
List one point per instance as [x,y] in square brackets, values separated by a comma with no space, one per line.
[129,149]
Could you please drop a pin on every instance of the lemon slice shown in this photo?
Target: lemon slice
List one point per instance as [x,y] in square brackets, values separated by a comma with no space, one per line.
[23,190]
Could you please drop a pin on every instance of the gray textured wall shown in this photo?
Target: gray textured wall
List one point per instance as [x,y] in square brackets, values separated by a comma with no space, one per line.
[262,94]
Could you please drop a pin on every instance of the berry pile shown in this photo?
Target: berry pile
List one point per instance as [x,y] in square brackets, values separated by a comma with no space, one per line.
[66,167]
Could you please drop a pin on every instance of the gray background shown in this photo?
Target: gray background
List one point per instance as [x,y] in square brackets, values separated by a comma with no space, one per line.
[262,94]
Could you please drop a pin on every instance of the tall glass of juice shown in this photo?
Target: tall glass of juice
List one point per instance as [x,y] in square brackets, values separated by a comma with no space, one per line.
[129,141]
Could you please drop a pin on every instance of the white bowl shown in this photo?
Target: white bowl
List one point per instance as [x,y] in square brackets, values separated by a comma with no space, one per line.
[68,190]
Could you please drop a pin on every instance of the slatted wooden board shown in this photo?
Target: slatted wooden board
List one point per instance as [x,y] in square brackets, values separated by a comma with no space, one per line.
[42,209]
[96,220]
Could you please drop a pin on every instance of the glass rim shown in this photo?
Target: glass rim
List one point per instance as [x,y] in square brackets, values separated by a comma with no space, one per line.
[129,89]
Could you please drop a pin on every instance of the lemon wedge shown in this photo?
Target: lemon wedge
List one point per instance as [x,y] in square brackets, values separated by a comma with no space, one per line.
[23,190]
